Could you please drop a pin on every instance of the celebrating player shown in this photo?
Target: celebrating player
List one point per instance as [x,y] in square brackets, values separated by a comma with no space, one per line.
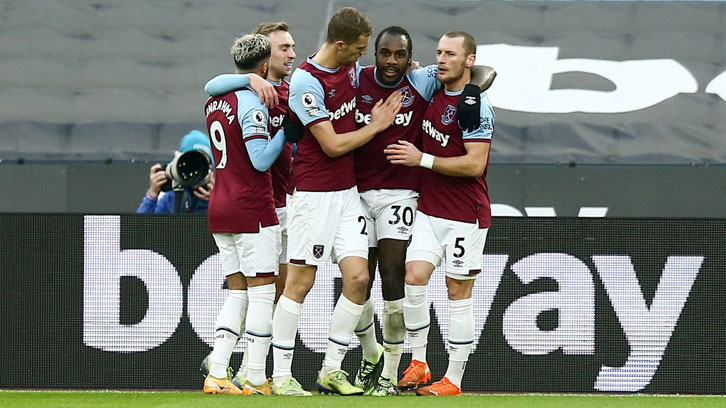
[389,193]
[283,54]
[453,215]
[324,215]
[243,222]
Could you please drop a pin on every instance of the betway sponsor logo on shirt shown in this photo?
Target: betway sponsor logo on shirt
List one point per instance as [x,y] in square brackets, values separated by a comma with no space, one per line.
[276,121]
[402,119]
[430,130]
[345,108]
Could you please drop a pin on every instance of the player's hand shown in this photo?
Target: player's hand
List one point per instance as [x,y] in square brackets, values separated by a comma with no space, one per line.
[384,113]
[468,112]
[205,192]
[268,95]
[157,178]
[413,65]
[293,128]
[403,152]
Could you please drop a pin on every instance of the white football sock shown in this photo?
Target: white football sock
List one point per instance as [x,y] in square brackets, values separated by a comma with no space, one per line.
[366,332]
[461,338]
[242,372]
[228,329]
[259,331]
[344,319]
[417,319]
[394,332]
[284,329]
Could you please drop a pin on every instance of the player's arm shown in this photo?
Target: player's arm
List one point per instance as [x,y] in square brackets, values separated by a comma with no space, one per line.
[253,119]
[221,84]
[382,116]
[482,76]
[263,153]
[467,112]
[472,164]
[307,101]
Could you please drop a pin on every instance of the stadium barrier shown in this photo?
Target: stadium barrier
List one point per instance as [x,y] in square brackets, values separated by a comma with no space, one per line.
[562,305]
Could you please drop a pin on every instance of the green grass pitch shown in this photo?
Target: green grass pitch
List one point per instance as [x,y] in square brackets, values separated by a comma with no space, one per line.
[102,399]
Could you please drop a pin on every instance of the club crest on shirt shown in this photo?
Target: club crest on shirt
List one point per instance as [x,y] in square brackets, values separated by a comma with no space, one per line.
[448,115]
[406,96]
[318,250]
[352,76]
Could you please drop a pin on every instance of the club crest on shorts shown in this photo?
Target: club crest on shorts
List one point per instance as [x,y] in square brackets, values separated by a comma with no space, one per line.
[448,115]
[318,250]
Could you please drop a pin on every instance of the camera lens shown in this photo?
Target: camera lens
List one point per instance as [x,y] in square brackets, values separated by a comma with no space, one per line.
[192,168]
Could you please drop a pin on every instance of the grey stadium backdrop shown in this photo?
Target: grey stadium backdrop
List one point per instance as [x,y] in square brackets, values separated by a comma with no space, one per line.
[604,109]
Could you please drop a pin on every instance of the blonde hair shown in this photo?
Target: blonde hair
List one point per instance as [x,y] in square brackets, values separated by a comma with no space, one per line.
[250,50]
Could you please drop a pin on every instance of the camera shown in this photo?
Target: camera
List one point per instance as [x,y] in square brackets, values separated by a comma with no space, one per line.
[189,169]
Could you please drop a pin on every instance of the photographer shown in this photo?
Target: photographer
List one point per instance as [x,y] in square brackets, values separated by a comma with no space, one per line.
[184,179]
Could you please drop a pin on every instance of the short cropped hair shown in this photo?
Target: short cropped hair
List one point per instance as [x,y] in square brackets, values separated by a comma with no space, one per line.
[267,28]
[469,41]
[396,30]
[251,50]
[347,25]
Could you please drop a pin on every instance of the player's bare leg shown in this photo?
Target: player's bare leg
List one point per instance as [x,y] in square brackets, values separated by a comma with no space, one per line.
[230,323]
[345,318]
[372,360]
[417,318]
[280,283]
[461,338]
[391,255]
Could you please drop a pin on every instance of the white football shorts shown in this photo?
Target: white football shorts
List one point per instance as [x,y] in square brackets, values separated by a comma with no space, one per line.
[461,243]
[254,254]
[389,214]
[325,224]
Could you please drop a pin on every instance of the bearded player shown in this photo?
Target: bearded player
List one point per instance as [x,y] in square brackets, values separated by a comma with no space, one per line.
[243,221]
[283,55]
[453,214]
[389,195]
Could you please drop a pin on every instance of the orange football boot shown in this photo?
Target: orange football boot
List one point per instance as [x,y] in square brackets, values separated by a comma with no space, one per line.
[214,385]
[440,388]
[416,374]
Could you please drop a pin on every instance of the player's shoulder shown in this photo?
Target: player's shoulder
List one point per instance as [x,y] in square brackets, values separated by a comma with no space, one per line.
[249,102]
[301,78]
[248,97]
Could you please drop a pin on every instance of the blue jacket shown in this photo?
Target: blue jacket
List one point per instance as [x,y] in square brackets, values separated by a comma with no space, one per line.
[165,204]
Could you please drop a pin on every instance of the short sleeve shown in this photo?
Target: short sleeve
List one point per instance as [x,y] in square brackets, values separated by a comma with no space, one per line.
[253,116]
[486,128]
[307,98]
[425,81]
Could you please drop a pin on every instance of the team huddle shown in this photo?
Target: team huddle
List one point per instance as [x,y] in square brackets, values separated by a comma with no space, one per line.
[389,172]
